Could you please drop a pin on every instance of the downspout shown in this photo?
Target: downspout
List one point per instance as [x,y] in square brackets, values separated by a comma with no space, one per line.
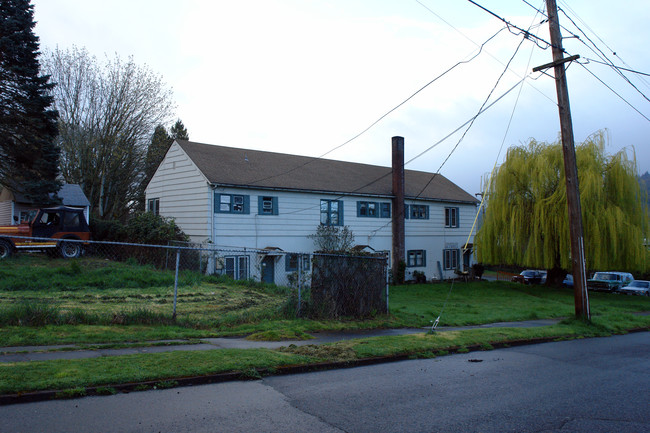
[212,259]
[211,212]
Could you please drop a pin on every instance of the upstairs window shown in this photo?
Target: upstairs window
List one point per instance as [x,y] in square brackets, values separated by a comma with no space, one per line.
[384,210]
[419,212]
[331,212]
[451,217]
[232,203]
[367,209]
[371,209]
[267,205]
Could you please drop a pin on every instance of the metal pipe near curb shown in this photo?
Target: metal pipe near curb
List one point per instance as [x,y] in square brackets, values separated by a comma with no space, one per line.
[178,259]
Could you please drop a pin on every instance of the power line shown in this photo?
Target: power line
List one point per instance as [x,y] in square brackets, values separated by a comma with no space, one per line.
[437,320]
[480,109]
[568,7]
[496,160]
[617,67]
[490,54]
[526,33]
[387,113]
[613,91]
[483,110]
[609,62]
[599,53]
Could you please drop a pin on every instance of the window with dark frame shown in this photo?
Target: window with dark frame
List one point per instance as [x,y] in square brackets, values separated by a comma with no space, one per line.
[385,210]
[416,258]
[419,211]
[331,212]
[236,267]
[293,261]
[153,206]
[451,217]
[231,203]
[267,205]
[450,257]
[372,209]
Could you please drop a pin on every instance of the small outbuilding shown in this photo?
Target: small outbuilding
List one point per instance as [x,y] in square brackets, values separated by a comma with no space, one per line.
[16,208]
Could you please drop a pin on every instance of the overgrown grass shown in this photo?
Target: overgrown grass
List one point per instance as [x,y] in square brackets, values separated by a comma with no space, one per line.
[52,301]
[36,291]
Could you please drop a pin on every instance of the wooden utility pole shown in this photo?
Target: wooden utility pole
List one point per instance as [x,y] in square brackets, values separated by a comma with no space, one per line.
[570,167]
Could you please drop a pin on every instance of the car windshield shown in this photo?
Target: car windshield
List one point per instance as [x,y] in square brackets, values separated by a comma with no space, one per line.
[605,276]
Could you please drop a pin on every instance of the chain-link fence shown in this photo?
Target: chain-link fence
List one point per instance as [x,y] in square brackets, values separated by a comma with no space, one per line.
[318,285]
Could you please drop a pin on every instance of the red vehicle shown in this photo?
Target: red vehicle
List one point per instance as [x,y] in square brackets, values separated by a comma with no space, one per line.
[530,276]
[53,226]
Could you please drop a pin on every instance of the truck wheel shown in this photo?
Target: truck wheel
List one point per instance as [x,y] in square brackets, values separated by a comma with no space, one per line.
[5,249]
[70,250]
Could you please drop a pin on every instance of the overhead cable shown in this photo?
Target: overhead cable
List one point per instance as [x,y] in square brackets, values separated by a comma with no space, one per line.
[614,91]
[472,122]
[387,113]
[526,33]
[609,62]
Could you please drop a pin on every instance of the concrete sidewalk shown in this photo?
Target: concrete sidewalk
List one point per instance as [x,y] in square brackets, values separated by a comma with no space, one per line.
[71,351]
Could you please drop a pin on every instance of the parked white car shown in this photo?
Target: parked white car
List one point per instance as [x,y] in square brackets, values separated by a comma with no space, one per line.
[636,287]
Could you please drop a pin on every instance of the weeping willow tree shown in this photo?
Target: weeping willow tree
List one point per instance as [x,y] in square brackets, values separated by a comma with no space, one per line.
[526,219]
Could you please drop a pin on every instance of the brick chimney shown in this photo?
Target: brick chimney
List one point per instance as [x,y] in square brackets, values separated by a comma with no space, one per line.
[398,204]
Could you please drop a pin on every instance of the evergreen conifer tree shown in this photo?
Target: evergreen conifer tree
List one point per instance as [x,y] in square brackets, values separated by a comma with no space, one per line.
[29,156]
[178,131]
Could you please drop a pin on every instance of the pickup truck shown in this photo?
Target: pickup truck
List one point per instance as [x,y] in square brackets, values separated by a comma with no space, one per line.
[609,281]
[52,226]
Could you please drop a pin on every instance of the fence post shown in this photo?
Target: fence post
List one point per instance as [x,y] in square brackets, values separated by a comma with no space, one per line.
[300,259]
[178,258]
[387,283]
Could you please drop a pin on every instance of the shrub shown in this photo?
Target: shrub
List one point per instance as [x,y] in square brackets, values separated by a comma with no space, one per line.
[142,228]
[148,228]
[331,239]
[419,277]
[107,230]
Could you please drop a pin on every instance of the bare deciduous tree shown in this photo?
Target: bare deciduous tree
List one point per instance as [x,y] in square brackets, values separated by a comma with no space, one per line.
[107,114]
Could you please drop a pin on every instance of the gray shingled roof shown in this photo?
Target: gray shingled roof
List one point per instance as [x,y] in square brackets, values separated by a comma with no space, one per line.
[254,168]
[73,195]
[70,195]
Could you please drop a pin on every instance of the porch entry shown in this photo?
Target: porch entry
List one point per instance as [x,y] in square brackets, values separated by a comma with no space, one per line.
[268,269]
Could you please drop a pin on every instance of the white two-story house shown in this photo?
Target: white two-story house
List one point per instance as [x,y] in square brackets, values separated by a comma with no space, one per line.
[238,198]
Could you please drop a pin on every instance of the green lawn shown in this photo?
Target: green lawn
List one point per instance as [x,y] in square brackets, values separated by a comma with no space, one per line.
[99,301]
[90,301]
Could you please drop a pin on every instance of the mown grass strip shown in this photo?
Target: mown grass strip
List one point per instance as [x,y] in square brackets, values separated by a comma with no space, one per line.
[82,373]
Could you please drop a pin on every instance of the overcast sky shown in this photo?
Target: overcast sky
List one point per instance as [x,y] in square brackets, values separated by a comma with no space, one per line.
[303,77]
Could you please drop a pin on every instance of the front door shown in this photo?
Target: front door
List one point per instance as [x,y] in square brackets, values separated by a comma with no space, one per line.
[268,270]
[467,256]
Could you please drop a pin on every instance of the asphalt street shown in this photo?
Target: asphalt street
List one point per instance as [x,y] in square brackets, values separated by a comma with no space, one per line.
[590,385]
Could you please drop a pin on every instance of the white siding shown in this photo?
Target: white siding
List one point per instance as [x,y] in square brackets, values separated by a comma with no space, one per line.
[432,236]
[6,218]
[185,195]
[299,215]
[183,192]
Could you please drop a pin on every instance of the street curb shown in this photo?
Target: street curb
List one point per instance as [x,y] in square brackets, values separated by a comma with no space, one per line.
[258,373]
